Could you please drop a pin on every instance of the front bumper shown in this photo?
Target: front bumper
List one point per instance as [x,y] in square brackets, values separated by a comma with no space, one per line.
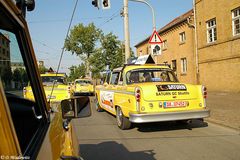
[168,116]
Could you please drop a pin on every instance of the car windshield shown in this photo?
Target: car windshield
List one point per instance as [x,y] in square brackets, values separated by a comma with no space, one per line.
[51,79]
[83,82]
[150,75]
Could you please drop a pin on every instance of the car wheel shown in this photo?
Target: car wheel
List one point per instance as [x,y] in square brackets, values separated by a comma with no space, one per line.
[122,121]
[98,107]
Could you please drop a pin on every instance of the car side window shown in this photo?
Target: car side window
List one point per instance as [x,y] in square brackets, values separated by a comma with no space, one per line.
[114,78]
[25,113]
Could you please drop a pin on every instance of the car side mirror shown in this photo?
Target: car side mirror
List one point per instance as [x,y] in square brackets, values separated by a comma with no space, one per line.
[77,107]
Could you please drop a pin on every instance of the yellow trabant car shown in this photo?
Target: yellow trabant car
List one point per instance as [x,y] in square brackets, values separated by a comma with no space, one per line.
[60,91]
[149,93]
[83,87]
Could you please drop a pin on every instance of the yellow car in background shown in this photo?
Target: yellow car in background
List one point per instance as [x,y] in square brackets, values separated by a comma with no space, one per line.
[61,89]
[83,87]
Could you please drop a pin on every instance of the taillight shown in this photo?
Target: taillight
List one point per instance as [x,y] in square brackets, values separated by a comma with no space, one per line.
[204,92]
[137,94]
[24,91]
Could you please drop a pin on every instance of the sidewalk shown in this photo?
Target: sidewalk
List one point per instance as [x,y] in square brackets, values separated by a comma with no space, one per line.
[225,109]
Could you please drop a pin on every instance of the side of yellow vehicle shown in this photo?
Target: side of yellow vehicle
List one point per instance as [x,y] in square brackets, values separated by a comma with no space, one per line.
[31,129]
[83,87]
[150,93]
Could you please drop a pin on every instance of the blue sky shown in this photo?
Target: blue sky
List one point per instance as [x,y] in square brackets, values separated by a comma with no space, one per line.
[49,21]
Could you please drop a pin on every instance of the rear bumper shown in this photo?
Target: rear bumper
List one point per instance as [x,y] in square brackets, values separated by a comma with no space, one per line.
[168,116]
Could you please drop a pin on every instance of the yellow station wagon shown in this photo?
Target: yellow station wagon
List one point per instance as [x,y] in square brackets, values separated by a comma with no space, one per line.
[83,87]
[61,89]
[150,93]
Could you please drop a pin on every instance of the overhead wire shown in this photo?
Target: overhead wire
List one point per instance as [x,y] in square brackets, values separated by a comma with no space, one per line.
[114,15]
[60,60]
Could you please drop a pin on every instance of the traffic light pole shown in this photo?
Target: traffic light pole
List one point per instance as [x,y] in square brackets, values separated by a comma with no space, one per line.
[126,25]
[126,30]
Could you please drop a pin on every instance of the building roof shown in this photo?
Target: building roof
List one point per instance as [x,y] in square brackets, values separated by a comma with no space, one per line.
[170,25]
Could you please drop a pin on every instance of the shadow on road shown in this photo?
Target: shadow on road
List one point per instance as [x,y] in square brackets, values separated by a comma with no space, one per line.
[166,126]
[112,150]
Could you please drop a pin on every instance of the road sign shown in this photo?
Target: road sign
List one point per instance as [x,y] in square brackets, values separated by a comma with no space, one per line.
[155,38]
[156,49]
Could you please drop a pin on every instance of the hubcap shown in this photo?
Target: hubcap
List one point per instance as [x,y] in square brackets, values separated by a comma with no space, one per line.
[119,116]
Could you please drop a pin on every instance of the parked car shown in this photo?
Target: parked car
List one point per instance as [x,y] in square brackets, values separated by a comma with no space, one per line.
[83,87]
[31,129]
[141,93]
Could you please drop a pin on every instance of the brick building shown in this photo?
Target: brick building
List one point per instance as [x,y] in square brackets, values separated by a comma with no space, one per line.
[177,48]
[218,44]
[4,52]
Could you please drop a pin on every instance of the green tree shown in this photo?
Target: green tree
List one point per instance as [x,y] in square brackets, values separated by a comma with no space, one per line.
[97,63]
[24,76]
[112,50]
[111,53]
[42,69]
[77,72]
[17,75]
[6,76]
[82,41]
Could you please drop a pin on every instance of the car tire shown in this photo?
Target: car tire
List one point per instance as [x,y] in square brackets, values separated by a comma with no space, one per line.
[122,121]
[98,107]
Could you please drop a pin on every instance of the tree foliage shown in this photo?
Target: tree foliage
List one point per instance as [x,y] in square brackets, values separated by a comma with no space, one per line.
[110,53]
[76,72]
[82,40]
[42,69]
[6,76]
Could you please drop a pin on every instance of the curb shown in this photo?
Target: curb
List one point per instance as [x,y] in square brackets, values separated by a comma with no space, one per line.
[221,124]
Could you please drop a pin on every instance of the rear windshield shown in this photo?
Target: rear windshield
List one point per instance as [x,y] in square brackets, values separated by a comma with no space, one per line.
[51,79]
[83,82]
[150,75]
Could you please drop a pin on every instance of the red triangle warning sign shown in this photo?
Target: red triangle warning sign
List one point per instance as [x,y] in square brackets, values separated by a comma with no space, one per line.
[155,38]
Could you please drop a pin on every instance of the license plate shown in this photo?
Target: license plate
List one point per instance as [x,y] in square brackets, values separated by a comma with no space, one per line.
[51,97]
[174,104]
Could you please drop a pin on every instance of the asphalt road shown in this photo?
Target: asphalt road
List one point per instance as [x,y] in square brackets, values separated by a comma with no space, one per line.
[100,139]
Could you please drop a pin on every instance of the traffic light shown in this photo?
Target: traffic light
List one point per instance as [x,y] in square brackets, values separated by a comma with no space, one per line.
[105,4]
[95,3]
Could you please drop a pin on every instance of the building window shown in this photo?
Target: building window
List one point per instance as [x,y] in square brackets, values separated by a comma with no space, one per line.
[182,37]
[236,21]
[164,45]
[211,31]
[183,65]
[174,65]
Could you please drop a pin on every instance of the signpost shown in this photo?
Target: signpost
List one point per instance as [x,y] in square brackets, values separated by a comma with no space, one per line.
[155,42]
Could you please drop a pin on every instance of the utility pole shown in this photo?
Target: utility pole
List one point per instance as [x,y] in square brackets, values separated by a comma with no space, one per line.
[126,30]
